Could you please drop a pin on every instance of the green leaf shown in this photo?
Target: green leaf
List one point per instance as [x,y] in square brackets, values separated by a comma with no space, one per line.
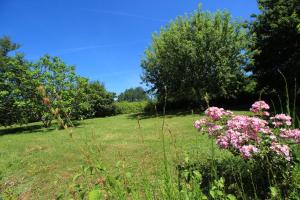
[212,193]
[231,197]
[95,195]
[274,191]
[76,176]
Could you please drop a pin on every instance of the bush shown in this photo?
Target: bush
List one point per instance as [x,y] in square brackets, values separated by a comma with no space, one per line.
[264,149]
[242,177]
[125,107]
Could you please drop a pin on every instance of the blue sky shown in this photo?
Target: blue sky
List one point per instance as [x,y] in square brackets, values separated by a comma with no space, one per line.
[104,39]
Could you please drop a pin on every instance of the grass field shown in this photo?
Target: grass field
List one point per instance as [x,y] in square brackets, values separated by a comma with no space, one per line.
[39,163]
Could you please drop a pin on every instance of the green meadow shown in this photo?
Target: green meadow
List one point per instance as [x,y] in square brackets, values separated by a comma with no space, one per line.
[41,162]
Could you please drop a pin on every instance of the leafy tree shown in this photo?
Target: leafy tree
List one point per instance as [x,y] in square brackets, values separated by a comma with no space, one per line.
[195,55]
[91,99]
[46,89]
[82,107]
[133,94]
[17,88]
[58,81]
[100,99]
[277,43]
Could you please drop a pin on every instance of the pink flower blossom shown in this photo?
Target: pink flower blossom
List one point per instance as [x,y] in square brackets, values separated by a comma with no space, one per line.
[282,150]
[259,106]
[228,113]
[248,125]
[199,123]
[293,134]
[266,113]
[248,150]
[223,142]
[281,119]
[215,113]
[213,128]
[235,138]
[244,134]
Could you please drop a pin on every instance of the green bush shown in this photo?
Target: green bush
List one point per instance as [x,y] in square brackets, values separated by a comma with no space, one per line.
[125,107]
[244,178]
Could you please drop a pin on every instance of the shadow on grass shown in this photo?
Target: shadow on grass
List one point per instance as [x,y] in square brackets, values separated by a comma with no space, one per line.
[25,129]
[177,113]
[169,114]
[32,128]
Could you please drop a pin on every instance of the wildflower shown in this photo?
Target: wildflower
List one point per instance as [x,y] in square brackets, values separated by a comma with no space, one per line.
[282,150]
[259,106]
[248,125]
[228,113]
[215,113]
[223,142]
[200,123]
[266,113]
[293,134]
[281,119]
[213,128]
[248,150]
[235,138]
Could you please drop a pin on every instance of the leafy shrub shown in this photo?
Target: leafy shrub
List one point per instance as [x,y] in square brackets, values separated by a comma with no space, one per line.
[243,177]
[125,107]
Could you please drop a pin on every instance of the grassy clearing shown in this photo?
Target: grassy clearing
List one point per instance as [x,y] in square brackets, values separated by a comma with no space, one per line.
[41,162]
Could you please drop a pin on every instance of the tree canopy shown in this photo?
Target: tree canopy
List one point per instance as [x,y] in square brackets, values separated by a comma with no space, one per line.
[17,98]
[277,43]
[196,55]
[36,91]
[133,95]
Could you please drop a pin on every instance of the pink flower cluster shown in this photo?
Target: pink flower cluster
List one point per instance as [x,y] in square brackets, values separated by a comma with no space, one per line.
[281,120]
[244,134]
[248,150]
[282,150]
[200,123]
[260,107]
[293,134]
[248,125]
[216,113]
[241,132]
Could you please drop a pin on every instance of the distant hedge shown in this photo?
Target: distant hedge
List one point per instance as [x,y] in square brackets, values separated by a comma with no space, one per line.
[125,107]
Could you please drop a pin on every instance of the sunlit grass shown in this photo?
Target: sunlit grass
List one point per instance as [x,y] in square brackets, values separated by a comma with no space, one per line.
[42,161]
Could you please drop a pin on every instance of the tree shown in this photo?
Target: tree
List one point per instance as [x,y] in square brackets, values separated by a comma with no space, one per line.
[196,55]
[133,95]
[82,106]
[101,99]
[58,82]
[277,43]
[17,88]
[46,89]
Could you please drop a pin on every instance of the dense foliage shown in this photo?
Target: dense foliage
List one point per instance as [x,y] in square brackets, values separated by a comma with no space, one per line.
[41,90]
[277,43]
[17,96]
[197,55]
[133,94]
[124,107]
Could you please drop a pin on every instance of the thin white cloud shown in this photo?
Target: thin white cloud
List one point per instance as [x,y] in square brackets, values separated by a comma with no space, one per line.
[66,51]
[126,15]
[83,48]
